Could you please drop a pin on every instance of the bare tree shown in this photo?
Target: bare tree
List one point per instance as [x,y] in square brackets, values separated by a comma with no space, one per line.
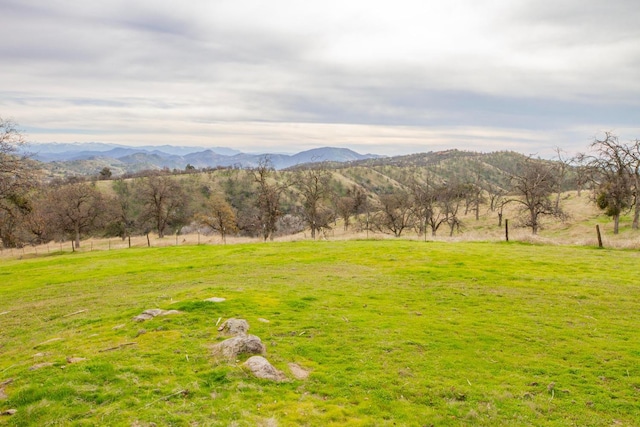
[314,184]
[563,163]
[610,169]
[449,199]
[350,204]
[632,152]
[268,200]
[534,185]
[395,214]
[163,202]
[126,210]
[75,208]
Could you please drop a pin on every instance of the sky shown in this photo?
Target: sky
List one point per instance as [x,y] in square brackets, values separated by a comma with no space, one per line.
[384,77]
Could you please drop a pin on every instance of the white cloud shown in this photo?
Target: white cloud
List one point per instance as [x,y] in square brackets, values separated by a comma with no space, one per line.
[252,74]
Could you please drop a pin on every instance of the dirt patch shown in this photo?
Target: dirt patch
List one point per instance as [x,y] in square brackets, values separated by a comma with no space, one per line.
[298,371]
[40,366]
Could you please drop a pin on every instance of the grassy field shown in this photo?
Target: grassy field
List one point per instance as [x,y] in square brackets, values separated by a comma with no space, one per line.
[394,333]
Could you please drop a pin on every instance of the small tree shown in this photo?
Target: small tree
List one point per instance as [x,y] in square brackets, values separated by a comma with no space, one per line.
[164,203]
[125,209]
[611,174]
[534,185]
[632,152]
[395,214]
[314,185]
[75,208]
[218,216]
[105,173]
[268,197]
[18,176]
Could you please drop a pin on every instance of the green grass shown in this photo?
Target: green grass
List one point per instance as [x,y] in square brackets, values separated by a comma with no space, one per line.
[394,332]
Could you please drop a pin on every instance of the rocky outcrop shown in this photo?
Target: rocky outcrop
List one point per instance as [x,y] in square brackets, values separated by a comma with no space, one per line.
[231,348]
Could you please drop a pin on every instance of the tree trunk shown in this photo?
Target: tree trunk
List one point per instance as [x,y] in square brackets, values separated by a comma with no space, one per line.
[616,223]
[636,211]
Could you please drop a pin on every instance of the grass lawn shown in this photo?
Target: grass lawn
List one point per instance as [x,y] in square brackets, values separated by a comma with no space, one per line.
[393,332]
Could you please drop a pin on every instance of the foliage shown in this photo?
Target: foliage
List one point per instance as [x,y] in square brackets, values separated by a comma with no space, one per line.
[18,176]
[218,216]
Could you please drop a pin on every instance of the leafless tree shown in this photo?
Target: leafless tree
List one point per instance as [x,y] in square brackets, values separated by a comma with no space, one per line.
[75,208]
[163,202]
[268,198]
[562,166]
[314,185]
[395,213]
[534,184]
[611,174]
[351,204]
[632,152]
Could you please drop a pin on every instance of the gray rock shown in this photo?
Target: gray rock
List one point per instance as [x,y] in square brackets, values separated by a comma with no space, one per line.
[242,344]
[234,327]
[153,312]
[261,368]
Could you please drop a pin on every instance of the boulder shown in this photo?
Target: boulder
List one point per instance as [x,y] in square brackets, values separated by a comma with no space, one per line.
[242,344]
[261,368]
[234,327]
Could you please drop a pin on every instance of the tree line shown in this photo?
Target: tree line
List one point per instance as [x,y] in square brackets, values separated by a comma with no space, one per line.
[264,202]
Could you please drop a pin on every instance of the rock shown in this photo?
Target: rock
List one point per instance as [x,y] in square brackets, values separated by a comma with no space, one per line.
[216,299]
[261,368]
[9,412]
[234,327]
[298,371]
[75,359]
[260,319]
[243,344]
[153,312]
[40,366]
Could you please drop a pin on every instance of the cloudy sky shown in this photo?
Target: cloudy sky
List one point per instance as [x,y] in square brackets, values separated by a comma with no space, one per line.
[389,77]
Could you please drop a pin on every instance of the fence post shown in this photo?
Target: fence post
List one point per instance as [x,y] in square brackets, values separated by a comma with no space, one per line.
[599,236]
[506,229]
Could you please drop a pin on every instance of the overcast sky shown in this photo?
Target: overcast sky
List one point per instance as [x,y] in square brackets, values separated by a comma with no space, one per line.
[388,77]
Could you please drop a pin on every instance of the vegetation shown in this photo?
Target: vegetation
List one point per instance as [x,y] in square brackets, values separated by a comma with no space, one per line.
[414,195]
[394,333]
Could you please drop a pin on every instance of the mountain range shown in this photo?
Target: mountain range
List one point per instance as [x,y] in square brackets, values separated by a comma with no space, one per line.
[90,158]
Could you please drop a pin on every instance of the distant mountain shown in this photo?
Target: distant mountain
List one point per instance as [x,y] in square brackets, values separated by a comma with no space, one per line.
[77,159]
[49,152]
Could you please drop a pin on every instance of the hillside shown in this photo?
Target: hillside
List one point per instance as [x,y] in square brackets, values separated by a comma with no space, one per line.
[385,332]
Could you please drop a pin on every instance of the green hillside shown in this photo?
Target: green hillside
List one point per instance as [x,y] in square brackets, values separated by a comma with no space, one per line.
[391,332]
